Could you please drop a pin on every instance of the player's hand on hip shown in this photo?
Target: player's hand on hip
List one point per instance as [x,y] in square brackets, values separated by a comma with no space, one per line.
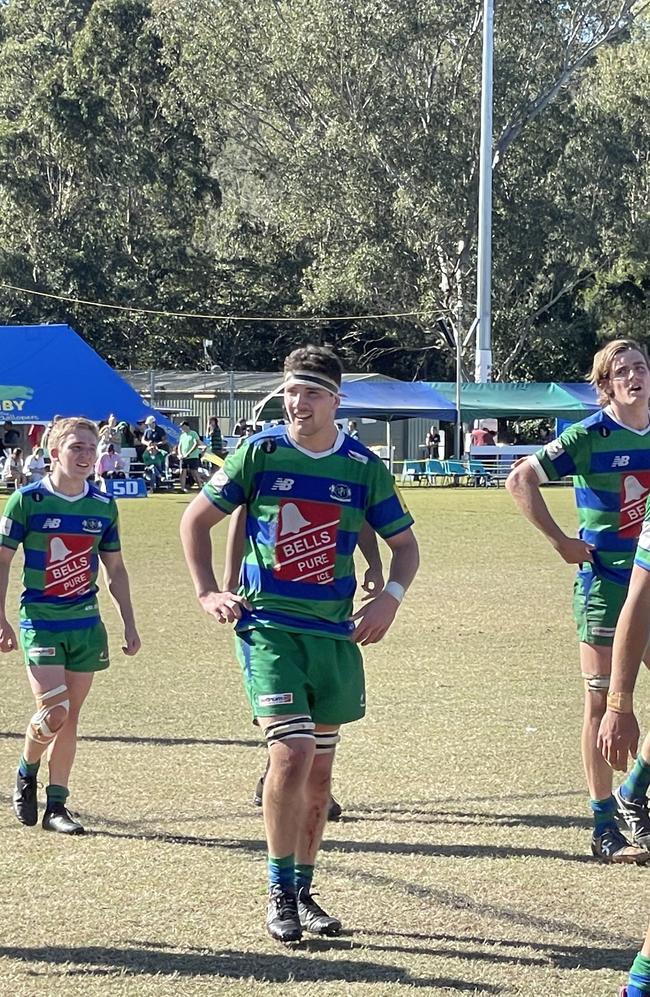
[575,551]
[374,619]
[8,640]
[132,642]
[618,737]
[226,607]
[373,582]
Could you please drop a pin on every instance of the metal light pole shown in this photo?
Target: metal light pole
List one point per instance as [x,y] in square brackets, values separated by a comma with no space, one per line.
[483,366]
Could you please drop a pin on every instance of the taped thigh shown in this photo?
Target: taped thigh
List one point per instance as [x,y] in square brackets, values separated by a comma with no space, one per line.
[326,741]
[52,710]
[287,730]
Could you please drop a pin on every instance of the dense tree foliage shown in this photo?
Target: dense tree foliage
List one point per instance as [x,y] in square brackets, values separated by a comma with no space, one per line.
[291,158]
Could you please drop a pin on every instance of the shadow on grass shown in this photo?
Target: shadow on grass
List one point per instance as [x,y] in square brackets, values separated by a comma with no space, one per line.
[106,961]
[373,847]
[404,815]
[592,957]
[165,742]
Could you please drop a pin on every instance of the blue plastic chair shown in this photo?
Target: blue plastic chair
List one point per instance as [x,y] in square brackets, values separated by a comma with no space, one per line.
[435,469]
[457,471]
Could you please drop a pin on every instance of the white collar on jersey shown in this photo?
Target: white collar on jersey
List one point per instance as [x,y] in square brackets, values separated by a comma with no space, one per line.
[338,442]
[47,481]
[630,429]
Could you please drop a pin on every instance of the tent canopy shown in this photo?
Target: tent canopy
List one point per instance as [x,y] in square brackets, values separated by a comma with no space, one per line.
[383,400]
[521,400]
[49,370]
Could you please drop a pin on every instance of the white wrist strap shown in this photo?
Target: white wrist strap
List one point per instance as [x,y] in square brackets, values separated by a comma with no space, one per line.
[396,590]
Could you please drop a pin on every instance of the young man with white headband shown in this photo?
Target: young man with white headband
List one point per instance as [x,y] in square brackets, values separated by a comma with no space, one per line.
[307,488]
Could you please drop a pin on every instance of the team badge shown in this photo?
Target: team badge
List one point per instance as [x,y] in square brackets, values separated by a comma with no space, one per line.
[342,493]
[92,525]
[604,431]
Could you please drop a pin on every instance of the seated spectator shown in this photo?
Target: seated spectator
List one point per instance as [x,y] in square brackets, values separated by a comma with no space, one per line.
[154,433]
[250,431]
[125,434]
[108,436]
[138,445]
[35,466]
[11,437]
[155,466]
[239,429]
[109,465]
[482,437]
[352,429]
[13,468]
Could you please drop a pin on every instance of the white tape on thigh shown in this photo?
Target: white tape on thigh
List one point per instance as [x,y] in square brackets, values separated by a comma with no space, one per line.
[326,740]
[285,730]
[40,729]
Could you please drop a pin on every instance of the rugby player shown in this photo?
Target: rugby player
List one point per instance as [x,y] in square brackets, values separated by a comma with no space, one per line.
[608,455]
[66,526]
[307,489]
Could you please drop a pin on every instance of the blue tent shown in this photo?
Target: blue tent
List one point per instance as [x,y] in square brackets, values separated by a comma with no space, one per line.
[383,400]
[48,370]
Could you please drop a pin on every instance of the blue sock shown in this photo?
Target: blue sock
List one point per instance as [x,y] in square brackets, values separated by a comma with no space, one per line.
[28,768]
[604,812]
[639,979]
[282,872]
[304,876]
[635,787]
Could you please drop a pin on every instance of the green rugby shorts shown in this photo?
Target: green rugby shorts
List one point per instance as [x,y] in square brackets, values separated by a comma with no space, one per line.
[597,604]
[299,673]
[83,650]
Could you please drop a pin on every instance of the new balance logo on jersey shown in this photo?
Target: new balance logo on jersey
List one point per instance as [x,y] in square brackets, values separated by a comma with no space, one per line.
[282,485]
[51,523]
[621,460]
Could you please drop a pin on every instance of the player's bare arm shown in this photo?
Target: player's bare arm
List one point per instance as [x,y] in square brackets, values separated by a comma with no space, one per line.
[524,486]
[619,731]
[117,583]
[373,579]
[197,522]
[376,617]
[8,640]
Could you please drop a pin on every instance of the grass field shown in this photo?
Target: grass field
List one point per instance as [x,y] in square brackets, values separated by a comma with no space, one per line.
[462,863]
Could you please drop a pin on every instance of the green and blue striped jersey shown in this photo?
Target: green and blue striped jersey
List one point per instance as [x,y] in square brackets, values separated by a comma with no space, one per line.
[61,538]
[610,466]
[304,514]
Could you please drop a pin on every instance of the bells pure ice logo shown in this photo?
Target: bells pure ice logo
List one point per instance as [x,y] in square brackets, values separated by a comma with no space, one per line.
[635,489]
[68,565]
[14,396]
[305,549]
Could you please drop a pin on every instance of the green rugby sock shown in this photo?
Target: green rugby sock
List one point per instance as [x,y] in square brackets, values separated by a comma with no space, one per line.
[304,876]
[604,812]
[28,768]
[635,787]
[56,794]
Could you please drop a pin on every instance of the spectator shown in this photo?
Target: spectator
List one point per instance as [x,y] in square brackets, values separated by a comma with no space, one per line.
[125,435]
[240,427]
[189,451]
[109,465]
[352,429]
[154,433]
[154,460]
[432,443]
[108,436]
[11,437]
[13,468]
[215,437]
[250,431]
[35,466]
[138,445]
[482,437]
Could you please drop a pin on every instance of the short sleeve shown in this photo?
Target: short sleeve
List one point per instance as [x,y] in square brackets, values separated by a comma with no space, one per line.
[568,455]
[386,511]
[13,525]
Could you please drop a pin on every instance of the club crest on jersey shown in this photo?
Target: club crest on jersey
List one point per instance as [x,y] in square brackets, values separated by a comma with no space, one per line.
[635,489]
[282,485]
[621,460]
[92,525]
[342,493]
[52,523]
